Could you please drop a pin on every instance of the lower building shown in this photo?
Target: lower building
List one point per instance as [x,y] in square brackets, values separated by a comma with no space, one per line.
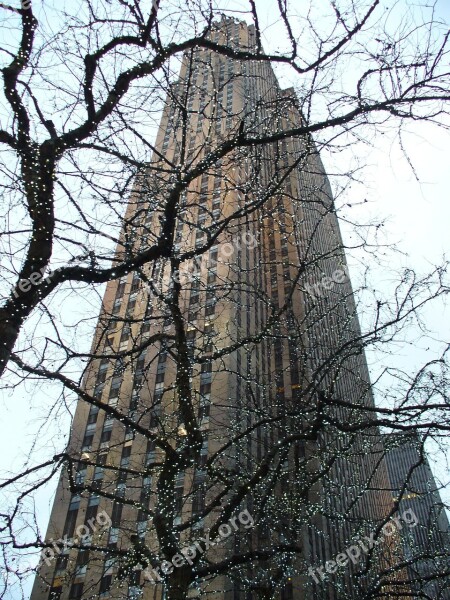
[426,546]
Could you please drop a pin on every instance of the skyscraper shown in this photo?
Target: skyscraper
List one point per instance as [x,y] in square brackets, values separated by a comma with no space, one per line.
[224,374]
[426,546]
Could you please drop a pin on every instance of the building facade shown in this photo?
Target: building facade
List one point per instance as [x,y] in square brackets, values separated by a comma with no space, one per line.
[224,376]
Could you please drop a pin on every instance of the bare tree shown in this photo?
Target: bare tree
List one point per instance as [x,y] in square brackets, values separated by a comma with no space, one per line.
[230,390]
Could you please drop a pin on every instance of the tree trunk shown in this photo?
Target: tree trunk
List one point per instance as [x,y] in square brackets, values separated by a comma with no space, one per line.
[178,583]
[9,332]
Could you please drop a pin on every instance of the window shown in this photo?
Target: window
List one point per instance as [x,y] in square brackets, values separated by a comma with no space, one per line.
[125,459]
[113,401]
[87,442]
[208,329]
[160,375]
[125,333]
[94,501]
[80,476]
[151,452]
[113,535]
[93,414]
[74,502]
[198,501]
[106,435]
[76,591]
[116,514]
[116,306]
[98,390]
[98,473]
[206,375]
[120,290]
[204,448]
[192,315]
[153,419]
[134,400]
[140,362]
[61,563]
[135,284]
[71,519]
[205,388]
[105,584]
[141,528]
[101,377]
[206,367]
[91,511]
[90,429]
[134,592]
[82,563]
[130,433]
[194,297]
[200,239]
[209,310]
[115,386]
[120,489]
[213,256]
[119,367]
[109,566]
[178,499]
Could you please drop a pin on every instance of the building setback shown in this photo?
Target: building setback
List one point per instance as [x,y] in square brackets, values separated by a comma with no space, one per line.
[147,449]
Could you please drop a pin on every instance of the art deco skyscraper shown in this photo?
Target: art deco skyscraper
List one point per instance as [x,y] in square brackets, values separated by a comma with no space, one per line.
[221,372]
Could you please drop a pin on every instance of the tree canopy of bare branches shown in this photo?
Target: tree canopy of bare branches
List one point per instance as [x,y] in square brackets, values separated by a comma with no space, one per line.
[228,354]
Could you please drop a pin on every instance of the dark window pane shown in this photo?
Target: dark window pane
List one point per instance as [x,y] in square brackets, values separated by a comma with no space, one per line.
[76,590]
[105,583]
[69,526]
[116,514]
[106,436]
[91,513]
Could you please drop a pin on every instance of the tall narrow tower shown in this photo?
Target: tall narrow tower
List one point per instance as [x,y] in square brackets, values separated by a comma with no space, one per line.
[222,374]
